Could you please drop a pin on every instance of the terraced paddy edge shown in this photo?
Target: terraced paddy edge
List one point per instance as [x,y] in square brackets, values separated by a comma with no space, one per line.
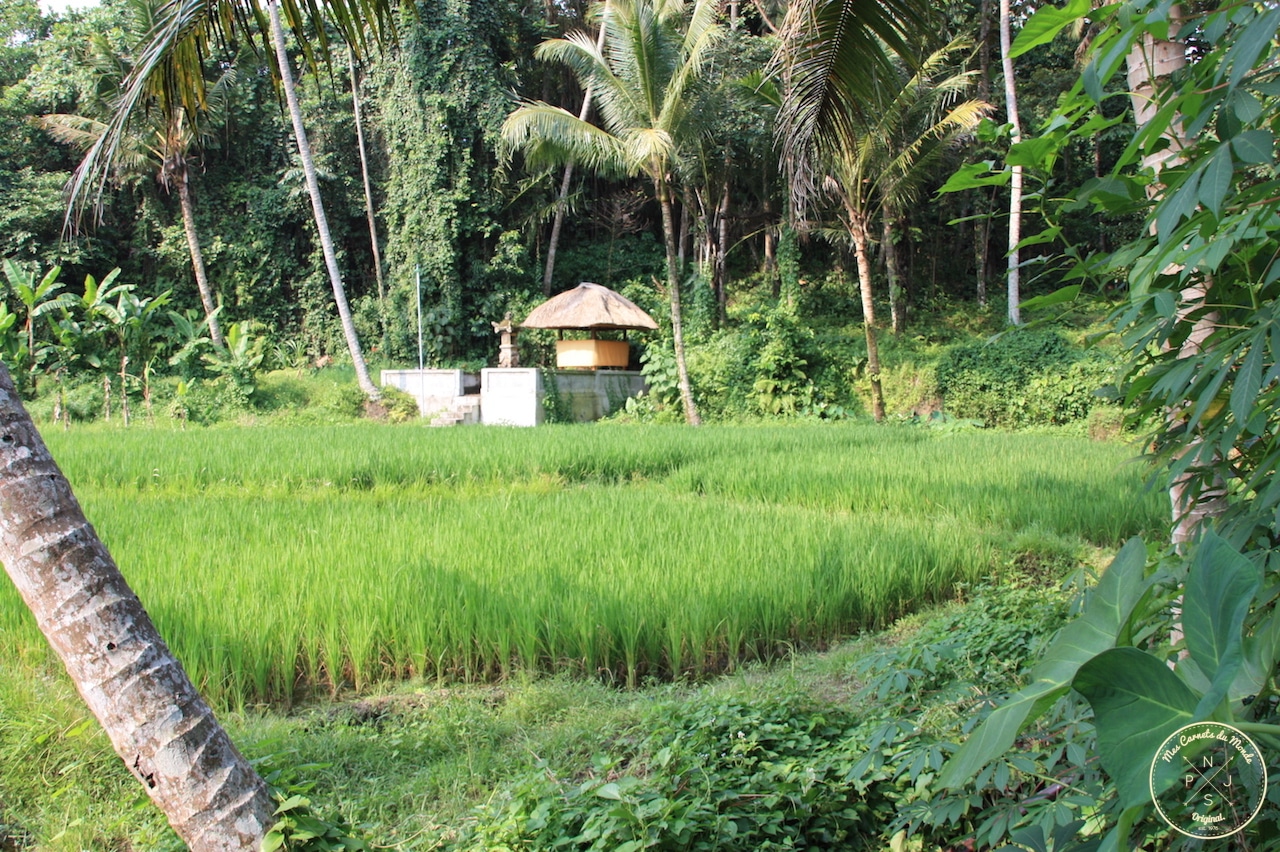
[283,558]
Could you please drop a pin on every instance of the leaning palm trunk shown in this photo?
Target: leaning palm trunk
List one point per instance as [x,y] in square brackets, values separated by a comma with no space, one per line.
[155,719]
[197,257]
[317,206]
[364,174]
[673,284]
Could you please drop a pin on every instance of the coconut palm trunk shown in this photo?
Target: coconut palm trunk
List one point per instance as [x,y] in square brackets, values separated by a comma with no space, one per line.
[364,174]
[153,715]
[663,191]
[317,205]
[197,256]
[858,230]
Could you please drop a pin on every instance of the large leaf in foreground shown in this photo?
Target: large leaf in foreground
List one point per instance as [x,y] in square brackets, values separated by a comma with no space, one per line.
[1220,589]
[1105,615]
[1137,702]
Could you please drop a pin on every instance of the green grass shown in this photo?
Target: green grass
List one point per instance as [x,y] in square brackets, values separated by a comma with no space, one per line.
[284,559]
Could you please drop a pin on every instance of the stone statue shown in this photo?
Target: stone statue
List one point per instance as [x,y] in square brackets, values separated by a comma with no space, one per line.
[507,354]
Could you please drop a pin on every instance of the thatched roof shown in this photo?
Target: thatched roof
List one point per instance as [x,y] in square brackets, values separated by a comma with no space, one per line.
[588,306]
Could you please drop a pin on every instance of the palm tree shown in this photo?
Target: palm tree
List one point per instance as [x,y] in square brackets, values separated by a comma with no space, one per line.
[156,720]
[1013,284]
[317,204]
[832,58]
[159,140]
[644,85]
[910,122]
[169,70]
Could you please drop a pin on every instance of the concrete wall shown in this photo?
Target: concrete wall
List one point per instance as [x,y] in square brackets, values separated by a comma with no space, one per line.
[514,397]
[435,390]
[511,396]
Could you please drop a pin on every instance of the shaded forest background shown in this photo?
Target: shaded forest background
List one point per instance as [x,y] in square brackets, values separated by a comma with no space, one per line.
[468,219]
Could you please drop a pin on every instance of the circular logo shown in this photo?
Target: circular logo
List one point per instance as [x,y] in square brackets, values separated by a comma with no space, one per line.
[1208,780]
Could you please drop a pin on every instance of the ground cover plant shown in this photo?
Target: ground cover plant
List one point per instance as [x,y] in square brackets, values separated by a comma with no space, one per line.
[289,559]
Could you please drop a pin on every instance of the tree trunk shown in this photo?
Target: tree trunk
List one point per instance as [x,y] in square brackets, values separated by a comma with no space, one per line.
[721,272]
[858,230]
[770,238]
[673,284]
[124,390]
[558,222]
[317,206]
[1015,181]
[897,298]
[984,52]
[364,173]
[197,256]
[1149,65]
[982,247]
[155,719]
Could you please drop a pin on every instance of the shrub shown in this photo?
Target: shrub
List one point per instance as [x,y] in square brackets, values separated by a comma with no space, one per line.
[401,407]
[1022,378]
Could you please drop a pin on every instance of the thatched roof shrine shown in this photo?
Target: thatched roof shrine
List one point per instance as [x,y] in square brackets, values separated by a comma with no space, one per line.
[591,307]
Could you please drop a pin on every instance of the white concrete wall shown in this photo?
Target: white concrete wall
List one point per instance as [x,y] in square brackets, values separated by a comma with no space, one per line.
[514,397]
[511,396]
[434,389]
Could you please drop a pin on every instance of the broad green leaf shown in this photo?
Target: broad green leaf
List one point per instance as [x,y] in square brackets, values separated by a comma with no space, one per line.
[1261,651]
[1256,147]
[1030,838]
[1137,702]
[1244,53]
[1057,297]
[292,803]
[975,175]
[1036,152]
[1106,613]
[1176,207]
[1246,107]
[1219,591]
[1247,384]
[609,791]
[1046,23]
[1048,235]
[1215,180]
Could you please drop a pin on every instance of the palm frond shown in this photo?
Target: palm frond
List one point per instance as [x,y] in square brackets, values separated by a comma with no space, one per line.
[168,71]
[833,58]
[551,136]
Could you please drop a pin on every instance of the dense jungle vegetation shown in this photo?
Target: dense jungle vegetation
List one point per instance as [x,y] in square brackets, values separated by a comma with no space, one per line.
[773,310]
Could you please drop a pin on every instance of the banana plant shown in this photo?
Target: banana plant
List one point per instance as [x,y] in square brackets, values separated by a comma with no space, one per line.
[37,299]
[240,361]
[99,317]
[135,332]
[189,337]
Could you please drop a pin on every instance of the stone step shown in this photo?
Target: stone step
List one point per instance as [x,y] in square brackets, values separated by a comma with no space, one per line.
[465,410]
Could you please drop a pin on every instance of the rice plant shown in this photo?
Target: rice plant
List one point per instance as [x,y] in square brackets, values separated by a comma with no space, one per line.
[282,560]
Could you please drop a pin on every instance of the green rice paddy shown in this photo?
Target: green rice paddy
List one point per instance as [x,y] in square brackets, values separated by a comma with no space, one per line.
[279,560]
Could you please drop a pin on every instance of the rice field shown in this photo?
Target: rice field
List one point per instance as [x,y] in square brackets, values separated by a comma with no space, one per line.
[280,560]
